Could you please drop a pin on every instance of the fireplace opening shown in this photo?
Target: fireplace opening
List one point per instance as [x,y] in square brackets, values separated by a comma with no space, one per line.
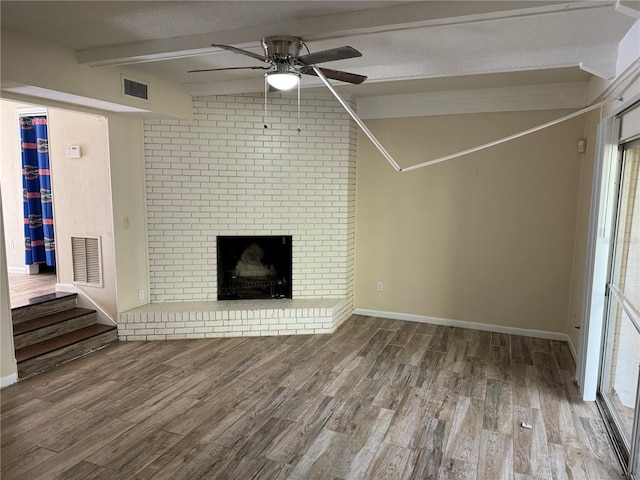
[254,267]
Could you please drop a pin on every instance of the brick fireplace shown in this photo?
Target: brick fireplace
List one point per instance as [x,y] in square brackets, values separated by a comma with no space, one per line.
[224,174]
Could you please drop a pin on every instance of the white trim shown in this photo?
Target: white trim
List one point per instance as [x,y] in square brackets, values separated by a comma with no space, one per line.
[627,9]
[627,105]
[31,111]
[66,287]
[84,301]
[25,270]
[8,380]
[601,217]
[504,99]
[574,354]
[487,327]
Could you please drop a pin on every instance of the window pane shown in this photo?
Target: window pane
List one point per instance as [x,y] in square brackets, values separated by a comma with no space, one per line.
[620,379]
[626,273]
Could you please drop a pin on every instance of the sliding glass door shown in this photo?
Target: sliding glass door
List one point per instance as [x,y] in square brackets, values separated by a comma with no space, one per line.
[618,388]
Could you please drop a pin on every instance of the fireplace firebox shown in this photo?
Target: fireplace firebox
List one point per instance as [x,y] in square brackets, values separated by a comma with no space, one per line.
[254,267]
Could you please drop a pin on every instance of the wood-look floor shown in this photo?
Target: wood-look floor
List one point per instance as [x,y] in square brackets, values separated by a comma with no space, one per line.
[379,399]
[23,287]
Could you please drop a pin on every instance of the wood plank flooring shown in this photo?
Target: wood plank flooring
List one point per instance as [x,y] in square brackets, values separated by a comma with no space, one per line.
[378,399]
[23,287]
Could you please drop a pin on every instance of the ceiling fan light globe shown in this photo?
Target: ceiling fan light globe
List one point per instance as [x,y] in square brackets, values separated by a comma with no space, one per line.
[283,80]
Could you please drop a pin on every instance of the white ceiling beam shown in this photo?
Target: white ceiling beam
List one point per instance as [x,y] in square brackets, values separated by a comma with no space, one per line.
[515,61]
[629,8]
[393,18]
[508,62]
[506,99]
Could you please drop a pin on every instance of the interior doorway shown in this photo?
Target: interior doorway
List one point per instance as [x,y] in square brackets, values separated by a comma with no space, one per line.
[27,203]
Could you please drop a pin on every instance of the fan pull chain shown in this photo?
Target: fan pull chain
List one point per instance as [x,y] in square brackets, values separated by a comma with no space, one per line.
[266,89]
[299,129]
[308,52]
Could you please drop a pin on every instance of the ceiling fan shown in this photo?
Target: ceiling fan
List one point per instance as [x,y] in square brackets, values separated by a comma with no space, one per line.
[282,52]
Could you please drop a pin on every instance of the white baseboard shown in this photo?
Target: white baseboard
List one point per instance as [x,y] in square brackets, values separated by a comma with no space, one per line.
[488,327]
[24,270]
[66,287]
[574,354]
[86,302]
[8,380]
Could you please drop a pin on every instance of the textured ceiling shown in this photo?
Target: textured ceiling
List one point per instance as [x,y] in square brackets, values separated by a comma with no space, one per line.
[407,46]
[88,24]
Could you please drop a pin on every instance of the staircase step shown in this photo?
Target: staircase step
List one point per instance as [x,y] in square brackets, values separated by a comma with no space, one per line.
[64,348]
[39,329]
[43,305]
[61,341]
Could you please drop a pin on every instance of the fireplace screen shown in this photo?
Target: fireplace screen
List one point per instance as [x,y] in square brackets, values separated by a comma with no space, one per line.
[254,267]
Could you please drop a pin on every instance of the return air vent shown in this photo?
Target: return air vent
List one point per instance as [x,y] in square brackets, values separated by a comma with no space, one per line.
[87,261]
[133,89]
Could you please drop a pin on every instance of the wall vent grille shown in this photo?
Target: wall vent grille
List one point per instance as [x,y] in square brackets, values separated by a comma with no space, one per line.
[87,261]
[131,88]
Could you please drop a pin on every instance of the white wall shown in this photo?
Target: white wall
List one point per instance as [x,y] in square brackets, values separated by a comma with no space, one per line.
[8,365]
[224,174]
[11,183]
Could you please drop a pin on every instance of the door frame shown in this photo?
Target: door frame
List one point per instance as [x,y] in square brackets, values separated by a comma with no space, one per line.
[603,211]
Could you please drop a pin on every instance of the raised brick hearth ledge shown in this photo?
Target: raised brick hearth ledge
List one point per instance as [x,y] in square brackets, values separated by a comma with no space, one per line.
[200,319]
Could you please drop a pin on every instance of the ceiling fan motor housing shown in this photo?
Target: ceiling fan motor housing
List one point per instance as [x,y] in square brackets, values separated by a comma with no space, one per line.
[281,46]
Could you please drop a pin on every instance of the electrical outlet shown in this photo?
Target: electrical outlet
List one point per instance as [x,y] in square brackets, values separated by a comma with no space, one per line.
[127,223]
[141,294]
[12,245]
[380,286]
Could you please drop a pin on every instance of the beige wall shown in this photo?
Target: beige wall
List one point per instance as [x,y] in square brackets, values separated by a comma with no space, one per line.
[63,74]
[82,195]
[8,366]
[484,238]
[128,193]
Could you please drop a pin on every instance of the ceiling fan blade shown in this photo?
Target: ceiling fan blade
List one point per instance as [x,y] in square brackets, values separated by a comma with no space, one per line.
[241,52]
[337,75]
[339,53]
[227,68]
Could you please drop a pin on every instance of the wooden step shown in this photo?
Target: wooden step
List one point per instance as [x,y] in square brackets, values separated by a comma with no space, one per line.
[50,353]
[43,305]
[39,329]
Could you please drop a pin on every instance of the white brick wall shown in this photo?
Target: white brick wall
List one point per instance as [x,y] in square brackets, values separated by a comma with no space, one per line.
[224,174]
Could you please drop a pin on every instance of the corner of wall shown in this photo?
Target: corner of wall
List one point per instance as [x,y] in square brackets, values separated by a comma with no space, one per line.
[8,364]
[8,380]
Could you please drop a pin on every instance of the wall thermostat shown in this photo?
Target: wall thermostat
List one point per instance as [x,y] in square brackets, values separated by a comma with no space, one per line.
[74,151]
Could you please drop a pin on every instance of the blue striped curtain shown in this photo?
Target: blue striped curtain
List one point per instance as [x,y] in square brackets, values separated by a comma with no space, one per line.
[36,189]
